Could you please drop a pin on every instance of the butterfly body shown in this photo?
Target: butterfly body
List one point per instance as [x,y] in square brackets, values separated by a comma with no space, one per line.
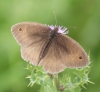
[52,35]
[48,46]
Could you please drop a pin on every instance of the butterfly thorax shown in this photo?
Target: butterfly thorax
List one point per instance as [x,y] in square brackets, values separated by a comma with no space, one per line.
[53,33]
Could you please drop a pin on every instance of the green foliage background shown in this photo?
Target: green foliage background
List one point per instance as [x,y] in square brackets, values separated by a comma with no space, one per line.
[82,14]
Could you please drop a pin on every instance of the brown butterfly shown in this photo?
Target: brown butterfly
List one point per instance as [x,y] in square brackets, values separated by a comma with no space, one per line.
[48,46]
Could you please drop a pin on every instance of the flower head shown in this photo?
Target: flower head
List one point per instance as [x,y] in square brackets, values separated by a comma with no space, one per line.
[61,29]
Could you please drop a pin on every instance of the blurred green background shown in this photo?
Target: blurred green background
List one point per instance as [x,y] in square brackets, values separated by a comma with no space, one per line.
[82,14]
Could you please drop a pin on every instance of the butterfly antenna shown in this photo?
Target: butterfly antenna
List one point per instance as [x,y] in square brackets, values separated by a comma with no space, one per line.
[55,17]
[72,27]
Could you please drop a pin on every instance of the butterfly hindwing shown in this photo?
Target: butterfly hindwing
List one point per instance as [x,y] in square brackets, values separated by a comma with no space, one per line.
[52,60]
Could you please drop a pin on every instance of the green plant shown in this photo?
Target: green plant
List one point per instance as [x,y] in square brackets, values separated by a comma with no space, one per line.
[72,80]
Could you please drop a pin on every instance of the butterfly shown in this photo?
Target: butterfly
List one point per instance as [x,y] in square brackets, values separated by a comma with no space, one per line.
[49,47]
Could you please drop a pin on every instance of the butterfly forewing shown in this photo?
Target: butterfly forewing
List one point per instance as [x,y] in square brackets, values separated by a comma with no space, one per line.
[72,54]
[32,37]
[62,53]
[27,33]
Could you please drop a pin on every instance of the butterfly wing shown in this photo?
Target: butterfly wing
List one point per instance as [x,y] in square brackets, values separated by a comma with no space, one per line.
[64,52]
[32,53]
[72,54]
[31,36]
[52,60]
[27,33]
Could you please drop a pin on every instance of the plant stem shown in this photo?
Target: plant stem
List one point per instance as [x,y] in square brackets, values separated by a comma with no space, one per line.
[56,82]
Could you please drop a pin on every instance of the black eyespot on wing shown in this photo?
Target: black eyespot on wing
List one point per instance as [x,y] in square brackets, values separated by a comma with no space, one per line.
[20,29]
[80,57]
